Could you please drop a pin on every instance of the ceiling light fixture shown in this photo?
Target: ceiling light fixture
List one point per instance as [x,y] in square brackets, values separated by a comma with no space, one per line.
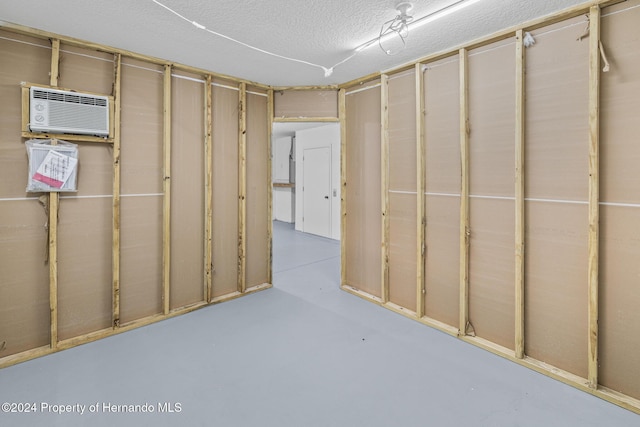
[412,24]
[393,32]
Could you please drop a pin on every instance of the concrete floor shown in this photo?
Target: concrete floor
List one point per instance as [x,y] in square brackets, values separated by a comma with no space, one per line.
[301,354]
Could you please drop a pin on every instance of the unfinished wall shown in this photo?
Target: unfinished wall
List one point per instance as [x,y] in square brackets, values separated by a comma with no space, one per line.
[442,189]
[258,188]
[620,202]
[556,177]
[85,270]
[304,104]
[491,177]
[141,191]
[402,196]
[362,193]
[187,189]
[24,275]
[225,186]
[132,245]
[523,254]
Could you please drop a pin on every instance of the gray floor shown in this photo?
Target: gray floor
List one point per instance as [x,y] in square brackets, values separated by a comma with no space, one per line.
[301,354]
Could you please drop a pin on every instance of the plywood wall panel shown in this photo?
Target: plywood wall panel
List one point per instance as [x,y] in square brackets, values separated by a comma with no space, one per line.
[24,277]
[443,182]
[492,176]
[402,250]
[402,132]
[84,265]
[23,59]
[95,170]
[84,246]
[140,257]
[492,269]
[187,191]
[85,70]
[257,190]
[619,321]
[557,124]
[556,185]
[363,204]
[225,190]
[402,190]
[141,188]
[620,96]
[492,119]
[619,342]
[141,128]
[556,290]
[306,103]
[442,271]
[442,126]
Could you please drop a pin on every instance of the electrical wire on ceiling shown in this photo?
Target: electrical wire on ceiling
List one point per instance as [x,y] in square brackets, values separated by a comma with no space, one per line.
[327,71]
[397,27]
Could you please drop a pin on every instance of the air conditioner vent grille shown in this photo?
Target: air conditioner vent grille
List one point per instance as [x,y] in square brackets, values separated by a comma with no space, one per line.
[69,98]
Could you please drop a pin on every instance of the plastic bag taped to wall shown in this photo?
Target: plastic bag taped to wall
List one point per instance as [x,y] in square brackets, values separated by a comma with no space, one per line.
[53,167]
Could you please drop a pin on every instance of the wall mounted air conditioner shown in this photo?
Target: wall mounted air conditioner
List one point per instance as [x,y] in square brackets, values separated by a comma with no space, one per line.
[59,111]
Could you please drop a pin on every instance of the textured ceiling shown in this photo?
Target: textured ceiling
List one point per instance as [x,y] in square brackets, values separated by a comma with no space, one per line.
[322,32]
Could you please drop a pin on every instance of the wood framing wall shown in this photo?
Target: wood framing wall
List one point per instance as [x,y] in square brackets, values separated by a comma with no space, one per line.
[489,191]
[183,178]
[362,193]
[517,168]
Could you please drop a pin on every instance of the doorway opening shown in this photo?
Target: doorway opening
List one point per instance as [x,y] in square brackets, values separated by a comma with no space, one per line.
[306,177]
[306,207]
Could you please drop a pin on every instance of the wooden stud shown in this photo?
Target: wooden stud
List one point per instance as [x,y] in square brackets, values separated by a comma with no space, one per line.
[166,187]
[208,191]
[24,127]
[270,110]
[242,189]
[115,254]
[465,232]
[54,204]
[55,62]
[67,137]
[519,194]
[594,192]
[421,183]
[342,114]
[384,186]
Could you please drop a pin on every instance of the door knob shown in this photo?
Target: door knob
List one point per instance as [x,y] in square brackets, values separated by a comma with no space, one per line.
[326,197]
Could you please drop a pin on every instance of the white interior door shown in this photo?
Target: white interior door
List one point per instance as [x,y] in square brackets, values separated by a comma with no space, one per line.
[316,190]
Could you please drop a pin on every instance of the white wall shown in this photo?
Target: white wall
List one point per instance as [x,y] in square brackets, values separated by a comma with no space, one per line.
[280,161]
[283,198]
[322,136]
